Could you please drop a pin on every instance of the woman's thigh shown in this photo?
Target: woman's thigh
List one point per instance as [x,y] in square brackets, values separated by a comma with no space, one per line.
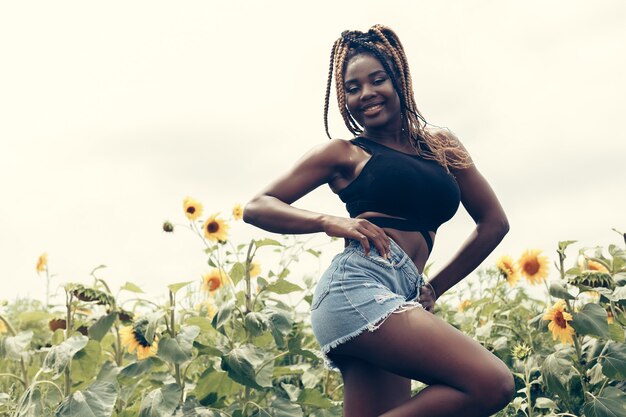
[370,390]
[418,345]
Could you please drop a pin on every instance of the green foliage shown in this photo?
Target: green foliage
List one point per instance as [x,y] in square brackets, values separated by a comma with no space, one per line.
[246,349]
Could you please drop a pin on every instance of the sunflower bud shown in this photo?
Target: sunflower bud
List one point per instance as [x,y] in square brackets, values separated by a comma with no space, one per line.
[521,351]
[168,226]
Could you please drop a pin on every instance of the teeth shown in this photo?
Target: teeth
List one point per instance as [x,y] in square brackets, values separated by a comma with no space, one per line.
[375,106]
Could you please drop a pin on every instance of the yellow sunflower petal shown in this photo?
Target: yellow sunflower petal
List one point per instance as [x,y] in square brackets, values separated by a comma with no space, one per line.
[215,229]
[559,323]
[42,262]
[255,269]
[533,266]
[507,268]
[237,212]
[192,208]
[214,280]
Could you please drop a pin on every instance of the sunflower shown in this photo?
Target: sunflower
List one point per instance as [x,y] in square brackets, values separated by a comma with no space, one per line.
[214,280]
[507,269]
[237,212]
[609,318]
[464,305]
[255,269]
[559,325]
[193,208]
[3,327]
[533,266]
[521,351]
[133,337]
[596,266]
[215,229]
[42,262]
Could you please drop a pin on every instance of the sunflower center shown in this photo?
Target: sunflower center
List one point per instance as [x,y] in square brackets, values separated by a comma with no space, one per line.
[213,227]
[559,320]
[191,210]
[213,283]
[531,266]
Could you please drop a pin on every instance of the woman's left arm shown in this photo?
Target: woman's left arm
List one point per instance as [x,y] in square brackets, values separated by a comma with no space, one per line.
[491,225]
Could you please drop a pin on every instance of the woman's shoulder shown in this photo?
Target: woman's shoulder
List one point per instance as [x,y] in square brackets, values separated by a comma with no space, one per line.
[334,151]
[445,134]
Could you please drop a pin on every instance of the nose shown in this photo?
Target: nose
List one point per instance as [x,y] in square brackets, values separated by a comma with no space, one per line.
[367,91]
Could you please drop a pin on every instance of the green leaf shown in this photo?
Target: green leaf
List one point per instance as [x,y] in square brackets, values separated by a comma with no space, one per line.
[282,286]
[178,350]
[616,332]
[292,391]
[267,242]
[612,403]
[245,365]
[555,373]
[207,350]
[237,272]
[108,372]
[86,361]
[558,290]
[14,347]
[137,369]
[212,385]
[177,286]
[311,396]
[161,402]
[255,323]
[102,326]
[591,320]
[129,286]
[613,360]
[543,402]
[283,408]
[619,294]
[96,401]
[204,323]
[60,356]
[152,321]
[223,314]
[564,244]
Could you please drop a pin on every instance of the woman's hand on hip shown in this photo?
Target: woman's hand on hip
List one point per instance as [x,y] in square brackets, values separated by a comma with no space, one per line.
[361,230]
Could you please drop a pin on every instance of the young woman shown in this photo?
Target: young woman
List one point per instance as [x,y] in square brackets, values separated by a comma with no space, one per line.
[400,180]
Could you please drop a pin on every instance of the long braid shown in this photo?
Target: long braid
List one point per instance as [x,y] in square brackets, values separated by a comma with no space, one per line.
[328,85]
[384,44]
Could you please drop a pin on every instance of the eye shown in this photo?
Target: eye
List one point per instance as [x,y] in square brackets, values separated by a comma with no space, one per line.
[379,80]
[352,89]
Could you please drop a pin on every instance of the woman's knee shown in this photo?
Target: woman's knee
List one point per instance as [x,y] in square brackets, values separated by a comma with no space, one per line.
[495,390]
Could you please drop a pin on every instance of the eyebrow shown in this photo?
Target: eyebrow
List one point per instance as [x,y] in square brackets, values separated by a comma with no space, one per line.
[370,75]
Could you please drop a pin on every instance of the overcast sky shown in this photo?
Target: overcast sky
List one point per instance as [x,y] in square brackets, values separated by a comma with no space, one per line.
[112,112]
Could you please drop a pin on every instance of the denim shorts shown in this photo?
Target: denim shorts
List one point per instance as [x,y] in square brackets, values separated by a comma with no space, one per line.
[358,292]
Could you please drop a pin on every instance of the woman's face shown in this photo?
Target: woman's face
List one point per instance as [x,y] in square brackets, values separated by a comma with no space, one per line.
[370,96]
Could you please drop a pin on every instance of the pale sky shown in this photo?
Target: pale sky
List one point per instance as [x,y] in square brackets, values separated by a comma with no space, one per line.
[112,112]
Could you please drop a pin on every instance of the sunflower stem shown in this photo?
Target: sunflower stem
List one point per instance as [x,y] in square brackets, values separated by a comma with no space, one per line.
[68,330]
[172,330]
[581,373]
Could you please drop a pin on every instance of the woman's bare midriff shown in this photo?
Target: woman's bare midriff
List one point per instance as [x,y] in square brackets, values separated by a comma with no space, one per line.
[412,243]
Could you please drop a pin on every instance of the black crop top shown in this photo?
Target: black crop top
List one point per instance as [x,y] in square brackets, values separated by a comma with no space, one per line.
[418,192]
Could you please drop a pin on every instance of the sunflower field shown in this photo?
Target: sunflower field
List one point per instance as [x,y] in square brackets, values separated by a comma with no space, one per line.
[238,343]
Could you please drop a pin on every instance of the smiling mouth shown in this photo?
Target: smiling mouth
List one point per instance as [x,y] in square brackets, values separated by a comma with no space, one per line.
[372,109]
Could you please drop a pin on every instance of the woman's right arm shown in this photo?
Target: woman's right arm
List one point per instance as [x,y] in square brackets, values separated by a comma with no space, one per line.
[271,209]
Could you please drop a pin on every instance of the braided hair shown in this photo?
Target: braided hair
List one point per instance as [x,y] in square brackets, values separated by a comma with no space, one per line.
[382,42]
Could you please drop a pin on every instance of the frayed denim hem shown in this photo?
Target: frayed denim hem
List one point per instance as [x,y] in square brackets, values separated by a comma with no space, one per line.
[405,306]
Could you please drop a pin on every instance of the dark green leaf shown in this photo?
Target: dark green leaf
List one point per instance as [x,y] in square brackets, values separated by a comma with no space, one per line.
[555,373]
[60,356]
[558,290]
[311,396]
[223,314]
[283,408]
[14,347]
[612,403]
[161,402]
[613,360]
[102,326]
[96,401]
[255,323]
[86,361]
[243,365]
[591,320]
[139,368]
[212,385]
